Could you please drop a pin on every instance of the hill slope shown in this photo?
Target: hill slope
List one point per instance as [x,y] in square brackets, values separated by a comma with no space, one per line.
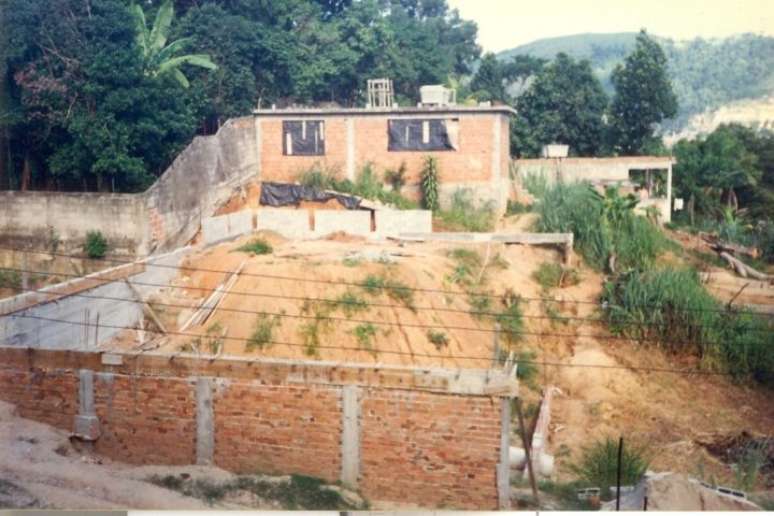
[706,74]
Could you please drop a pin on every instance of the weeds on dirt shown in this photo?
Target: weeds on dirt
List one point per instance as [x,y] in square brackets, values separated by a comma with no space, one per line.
[263,332]
[375,285]
[365,334]
[256,247]
[437,339]
[598,464]
[212,340]
[511,319]
[299,493]
[480,305]
[553,275]
[517,208]
[350,303]
[566,494]
[748,468]
[464,215]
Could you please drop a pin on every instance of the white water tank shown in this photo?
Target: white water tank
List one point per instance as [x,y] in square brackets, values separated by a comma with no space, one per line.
[555,150]
[437,95]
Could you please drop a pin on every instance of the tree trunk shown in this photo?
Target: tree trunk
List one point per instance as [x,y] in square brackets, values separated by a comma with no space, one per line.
[26,177]
[691,208]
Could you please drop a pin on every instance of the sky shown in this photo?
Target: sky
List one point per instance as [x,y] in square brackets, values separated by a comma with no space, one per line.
[503,24]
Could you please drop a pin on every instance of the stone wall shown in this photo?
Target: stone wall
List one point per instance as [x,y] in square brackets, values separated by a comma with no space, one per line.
[394,433]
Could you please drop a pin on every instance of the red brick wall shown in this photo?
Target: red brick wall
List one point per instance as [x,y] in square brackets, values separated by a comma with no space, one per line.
[146,420]
[50,397]
[440,449]
[278,429]
[471,162]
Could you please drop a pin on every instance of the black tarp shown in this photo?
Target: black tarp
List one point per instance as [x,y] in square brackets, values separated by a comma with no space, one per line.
[303,142]
[286,194]
[405,134]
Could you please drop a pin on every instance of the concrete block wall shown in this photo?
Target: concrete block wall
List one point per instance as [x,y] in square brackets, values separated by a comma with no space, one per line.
[294,224]
[394,222]
[352,222]
[396,434]
[222,227]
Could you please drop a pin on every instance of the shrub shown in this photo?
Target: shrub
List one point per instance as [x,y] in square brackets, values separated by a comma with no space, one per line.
[511,320]
[375,285]
[350,303]
[429,184]
[10,279]
[396,178]
[536,184]
[96,245]
[606,230]
[438,339]
[367,186]
[464,215]
[257,246]
[263,332]
[480,305]
[598,465]
[517,208]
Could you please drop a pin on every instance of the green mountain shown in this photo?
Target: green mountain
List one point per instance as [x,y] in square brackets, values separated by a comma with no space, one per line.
[706,73]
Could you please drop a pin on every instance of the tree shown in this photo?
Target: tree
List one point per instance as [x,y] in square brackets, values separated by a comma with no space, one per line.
[565,104]
[643,97]
[158,57]
[489,81]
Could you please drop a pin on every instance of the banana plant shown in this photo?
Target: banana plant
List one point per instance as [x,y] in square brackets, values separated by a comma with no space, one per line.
[159,57]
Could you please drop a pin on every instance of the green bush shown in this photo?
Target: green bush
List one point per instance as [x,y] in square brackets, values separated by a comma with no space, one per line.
[552,275]
[257,246]
[672,308]
[96,245]
[598,465]
[376,284]
[603,227]
[365,334]
[396,178]
[517,208]
[429,184]
[10,279]
[366,186]
[438,339]
[536,184]
[464,215]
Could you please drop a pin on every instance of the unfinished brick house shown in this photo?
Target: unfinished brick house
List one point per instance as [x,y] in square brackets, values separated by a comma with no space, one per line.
[470,143]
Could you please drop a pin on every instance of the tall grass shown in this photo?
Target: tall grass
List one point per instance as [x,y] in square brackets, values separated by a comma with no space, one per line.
[598,465]
[599,232]
[672,308]
[463,213]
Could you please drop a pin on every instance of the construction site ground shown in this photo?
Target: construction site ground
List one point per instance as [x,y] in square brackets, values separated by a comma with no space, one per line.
[676,415]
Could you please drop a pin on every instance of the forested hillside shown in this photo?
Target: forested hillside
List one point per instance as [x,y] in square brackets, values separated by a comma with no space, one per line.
[102,94]
[705,73]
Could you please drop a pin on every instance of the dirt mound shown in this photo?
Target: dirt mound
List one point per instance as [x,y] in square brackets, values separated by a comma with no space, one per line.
[675,492]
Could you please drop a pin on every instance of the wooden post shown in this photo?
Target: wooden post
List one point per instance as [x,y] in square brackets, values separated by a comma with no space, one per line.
[527,452]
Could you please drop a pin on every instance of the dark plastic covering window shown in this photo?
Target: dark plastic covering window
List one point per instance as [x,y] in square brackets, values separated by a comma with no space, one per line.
[416,134]
[303,137]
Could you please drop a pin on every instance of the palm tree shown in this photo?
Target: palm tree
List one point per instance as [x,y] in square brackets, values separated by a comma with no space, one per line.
[159,58]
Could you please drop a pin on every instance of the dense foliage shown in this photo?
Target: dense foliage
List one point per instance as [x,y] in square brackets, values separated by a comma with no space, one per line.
[92,97]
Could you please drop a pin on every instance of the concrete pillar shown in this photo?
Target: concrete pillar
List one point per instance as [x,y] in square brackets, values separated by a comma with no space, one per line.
[86,424]
[258,147]
[351,149]
[503,466]
[205,422]
[350,435]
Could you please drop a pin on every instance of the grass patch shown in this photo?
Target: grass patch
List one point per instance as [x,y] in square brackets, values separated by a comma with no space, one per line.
[553,275]
[350,303]
[299,493]
[672,308]
[438,339]
[464,215]
[536,184]
[511,319]
[598,465]
[480,305]
[517,208]
[256,247]
[365,334]
[263,333]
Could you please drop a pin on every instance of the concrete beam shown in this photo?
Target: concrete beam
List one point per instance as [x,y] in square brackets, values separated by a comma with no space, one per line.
[205,422]
[350,436]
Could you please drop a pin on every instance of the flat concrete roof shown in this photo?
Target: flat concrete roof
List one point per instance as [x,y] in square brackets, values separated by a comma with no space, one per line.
[417,110]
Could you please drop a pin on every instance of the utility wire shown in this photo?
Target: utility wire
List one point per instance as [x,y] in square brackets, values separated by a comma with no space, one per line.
[334,282]
[544,363]
[387,323]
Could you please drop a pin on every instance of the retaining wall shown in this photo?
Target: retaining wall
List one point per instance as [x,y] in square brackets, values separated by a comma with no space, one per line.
[425,437]
[84,312]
